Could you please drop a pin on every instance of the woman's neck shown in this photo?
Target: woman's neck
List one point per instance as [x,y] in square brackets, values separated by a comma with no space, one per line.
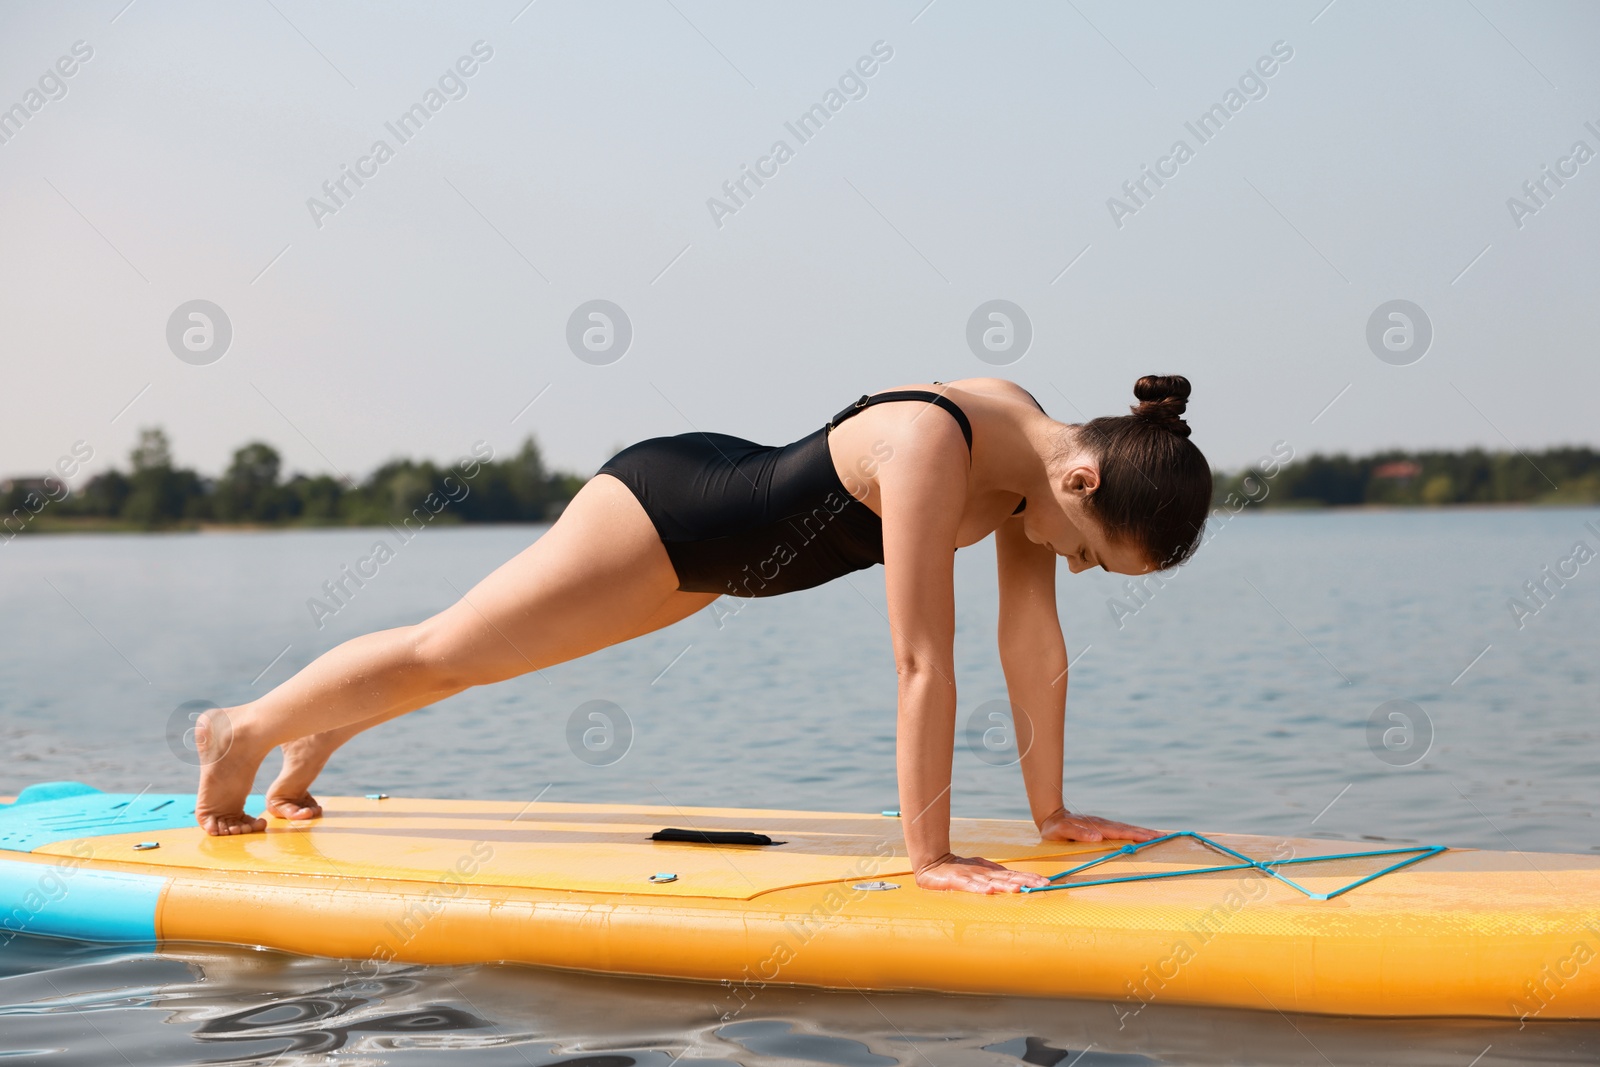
[1053,449]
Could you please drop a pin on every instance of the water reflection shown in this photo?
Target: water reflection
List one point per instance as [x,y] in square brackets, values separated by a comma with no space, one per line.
[81,1004]
[326,1021]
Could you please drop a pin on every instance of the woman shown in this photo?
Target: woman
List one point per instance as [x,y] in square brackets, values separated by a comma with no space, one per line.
[902,478]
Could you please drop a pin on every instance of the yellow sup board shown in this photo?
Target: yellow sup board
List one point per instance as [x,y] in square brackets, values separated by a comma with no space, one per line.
[831,902]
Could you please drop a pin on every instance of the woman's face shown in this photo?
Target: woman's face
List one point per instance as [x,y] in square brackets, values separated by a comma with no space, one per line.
[1071,530]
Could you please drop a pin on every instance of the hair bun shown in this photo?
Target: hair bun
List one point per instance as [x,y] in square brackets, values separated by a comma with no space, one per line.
[1162,400]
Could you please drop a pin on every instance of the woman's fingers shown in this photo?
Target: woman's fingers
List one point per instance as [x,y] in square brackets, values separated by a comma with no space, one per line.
[1123,832]
[1067,827]
[1071,828]
[976,875]
[978,881]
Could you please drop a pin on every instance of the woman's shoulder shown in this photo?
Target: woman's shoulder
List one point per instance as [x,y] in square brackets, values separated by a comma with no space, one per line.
[999,388]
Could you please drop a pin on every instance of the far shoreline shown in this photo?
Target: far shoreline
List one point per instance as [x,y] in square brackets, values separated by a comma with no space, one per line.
[71,527]
[1508,505]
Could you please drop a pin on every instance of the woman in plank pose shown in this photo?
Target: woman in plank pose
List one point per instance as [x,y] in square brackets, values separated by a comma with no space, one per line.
[668,525]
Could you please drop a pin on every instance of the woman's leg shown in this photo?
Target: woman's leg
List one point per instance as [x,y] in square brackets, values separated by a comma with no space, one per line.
[289,796]
[596,577]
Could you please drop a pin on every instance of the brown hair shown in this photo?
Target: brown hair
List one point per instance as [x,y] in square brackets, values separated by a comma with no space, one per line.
[1155,485]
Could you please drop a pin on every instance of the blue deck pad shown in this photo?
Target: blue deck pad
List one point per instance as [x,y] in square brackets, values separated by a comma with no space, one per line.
[64,811]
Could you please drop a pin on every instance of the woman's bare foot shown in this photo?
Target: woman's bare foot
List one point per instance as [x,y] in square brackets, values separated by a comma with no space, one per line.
[227,771]
[290,797]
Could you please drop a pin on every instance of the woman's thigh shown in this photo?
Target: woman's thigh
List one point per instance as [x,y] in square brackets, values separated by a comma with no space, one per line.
[597,577]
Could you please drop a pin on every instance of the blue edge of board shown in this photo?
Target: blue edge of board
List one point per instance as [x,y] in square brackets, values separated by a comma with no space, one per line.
[64,898]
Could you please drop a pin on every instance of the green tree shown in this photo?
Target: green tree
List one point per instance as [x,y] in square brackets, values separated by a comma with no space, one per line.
[104,495]
[318,500]
[153,452]
[249,491]
[159,494]
[1439,489]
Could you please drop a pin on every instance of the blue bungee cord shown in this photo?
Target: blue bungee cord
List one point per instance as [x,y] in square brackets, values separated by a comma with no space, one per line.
[1267,867]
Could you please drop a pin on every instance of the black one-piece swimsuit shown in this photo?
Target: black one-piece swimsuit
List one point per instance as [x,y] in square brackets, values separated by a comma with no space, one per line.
[755,520]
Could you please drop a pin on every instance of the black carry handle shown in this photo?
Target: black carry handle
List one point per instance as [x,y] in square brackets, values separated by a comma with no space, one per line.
[713,837]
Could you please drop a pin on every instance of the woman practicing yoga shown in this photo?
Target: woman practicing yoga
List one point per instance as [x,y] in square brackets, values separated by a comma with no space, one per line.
[902,478]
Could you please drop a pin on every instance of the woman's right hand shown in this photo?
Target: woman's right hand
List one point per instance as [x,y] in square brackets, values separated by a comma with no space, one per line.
[973,874]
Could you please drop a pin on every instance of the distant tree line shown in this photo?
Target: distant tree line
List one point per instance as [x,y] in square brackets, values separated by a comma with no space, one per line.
[1553,476]
[155,493]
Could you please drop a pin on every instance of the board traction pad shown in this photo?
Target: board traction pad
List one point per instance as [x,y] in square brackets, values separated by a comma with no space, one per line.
[63,811]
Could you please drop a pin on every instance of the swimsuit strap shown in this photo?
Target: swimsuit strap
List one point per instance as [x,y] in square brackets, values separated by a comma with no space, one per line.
[940,399]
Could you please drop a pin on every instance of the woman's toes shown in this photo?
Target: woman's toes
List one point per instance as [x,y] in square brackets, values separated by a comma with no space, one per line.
[301,807]
[228,825]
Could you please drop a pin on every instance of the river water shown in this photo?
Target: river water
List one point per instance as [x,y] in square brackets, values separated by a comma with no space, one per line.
[1251,693]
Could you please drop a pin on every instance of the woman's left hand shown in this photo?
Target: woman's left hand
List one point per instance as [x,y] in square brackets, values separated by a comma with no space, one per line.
[1065,826]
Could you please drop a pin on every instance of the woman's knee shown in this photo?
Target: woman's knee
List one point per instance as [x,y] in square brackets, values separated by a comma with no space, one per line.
[451,655]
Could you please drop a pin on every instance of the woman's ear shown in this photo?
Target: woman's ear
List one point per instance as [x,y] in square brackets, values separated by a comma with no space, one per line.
[1081,480]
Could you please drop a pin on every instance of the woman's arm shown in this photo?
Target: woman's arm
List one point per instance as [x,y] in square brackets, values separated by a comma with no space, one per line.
[922,492]
[1033,656]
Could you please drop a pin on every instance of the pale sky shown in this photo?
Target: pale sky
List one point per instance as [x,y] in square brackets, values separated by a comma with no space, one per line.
[975,163]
